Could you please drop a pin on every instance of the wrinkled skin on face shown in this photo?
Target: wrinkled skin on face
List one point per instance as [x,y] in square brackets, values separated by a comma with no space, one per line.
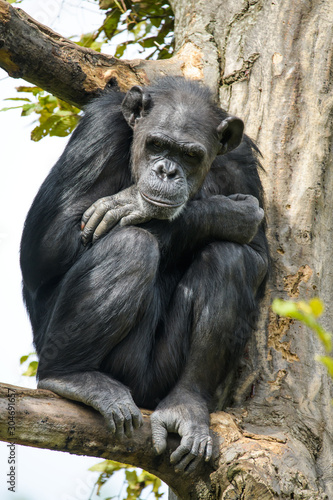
[171,156]
[171,152]
[177,165]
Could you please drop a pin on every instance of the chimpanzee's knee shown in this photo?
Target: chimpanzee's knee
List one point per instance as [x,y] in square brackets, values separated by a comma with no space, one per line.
[130,248]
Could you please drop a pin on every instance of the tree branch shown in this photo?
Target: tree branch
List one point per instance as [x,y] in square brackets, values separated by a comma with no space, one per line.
[34,52]
[250,460]
[42,419]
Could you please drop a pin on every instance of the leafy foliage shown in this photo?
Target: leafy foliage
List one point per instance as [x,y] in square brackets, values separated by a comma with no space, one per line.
[150,24]
[89,40]
[55,117]
[135,483]
[307,313]
[31,371]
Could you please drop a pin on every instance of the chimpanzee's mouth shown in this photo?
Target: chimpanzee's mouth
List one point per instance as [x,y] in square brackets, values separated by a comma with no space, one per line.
[160,203]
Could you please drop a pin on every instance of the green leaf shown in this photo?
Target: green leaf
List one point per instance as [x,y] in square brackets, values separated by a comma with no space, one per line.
[39,132]
[155,21]
[119,6]
[131,476]
[110,25]
[12,107]
[68,107]
[317,306]
[106,4]
[148,42]
[89,40]
[24,358]
[135,484]
[306,313]
[63,126]
[109,466]
[54,125]
[120,50]
[33,90]
[286,308]
[27,109]
[32,369]
[17,99]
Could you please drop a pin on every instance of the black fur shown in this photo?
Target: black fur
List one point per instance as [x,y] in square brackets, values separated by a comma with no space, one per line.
[166,306]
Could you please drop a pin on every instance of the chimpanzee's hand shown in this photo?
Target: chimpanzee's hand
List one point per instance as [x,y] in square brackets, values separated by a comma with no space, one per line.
[188,416]
[246,218]
[123,208]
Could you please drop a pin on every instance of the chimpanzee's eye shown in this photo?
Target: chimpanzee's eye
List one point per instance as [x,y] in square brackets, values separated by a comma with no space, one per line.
[191,154]
[157,144]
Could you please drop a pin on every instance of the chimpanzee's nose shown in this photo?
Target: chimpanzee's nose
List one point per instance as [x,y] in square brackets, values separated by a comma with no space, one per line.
[166,170]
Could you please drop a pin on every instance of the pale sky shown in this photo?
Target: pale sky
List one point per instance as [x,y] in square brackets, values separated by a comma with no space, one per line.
[41,474]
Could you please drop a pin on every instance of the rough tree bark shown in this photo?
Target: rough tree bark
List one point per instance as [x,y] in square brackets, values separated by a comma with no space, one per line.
[270,62]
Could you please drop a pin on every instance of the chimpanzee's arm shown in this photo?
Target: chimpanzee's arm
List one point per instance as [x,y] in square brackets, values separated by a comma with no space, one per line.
[94,163]
[235,218]
[50,243]
[51,239]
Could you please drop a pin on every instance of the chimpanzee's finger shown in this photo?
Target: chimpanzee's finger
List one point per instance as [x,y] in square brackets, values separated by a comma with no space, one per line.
[209,449]
[133,219]
[96,216]
[128,424]
[86,216]
[189,457]
[110,422]
[182,451]
[109,220]
[196,461]
[241,197]
[160,434]
[136,417]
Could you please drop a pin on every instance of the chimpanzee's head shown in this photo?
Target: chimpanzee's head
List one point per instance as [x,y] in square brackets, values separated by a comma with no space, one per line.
[177,132]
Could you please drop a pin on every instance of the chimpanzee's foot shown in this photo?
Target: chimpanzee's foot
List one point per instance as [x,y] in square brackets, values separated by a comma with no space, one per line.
[111,398]
[186,414]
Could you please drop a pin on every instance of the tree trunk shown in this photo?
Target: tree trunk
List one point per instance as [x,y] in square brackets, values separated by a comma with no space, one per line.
[270,62]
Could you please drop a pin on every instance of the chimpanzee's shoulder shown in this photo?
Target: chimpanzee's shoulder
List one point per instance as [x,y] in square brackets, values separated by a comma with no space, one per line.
[236,171]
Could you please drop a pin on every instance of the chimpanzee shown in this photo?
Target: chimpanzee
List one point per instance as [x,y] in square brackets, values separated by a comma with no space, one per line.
[143,259]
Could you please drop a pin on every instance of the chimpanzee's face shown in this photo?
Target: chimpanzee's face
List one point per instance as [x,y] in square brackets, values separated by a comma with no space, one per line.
[169,161]
[174,145]
[170,169]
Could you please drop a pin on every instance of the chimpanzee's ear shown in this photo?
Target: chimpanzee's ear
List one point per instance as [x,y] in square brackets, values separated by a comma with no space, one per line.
[230,132]
[136,102]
